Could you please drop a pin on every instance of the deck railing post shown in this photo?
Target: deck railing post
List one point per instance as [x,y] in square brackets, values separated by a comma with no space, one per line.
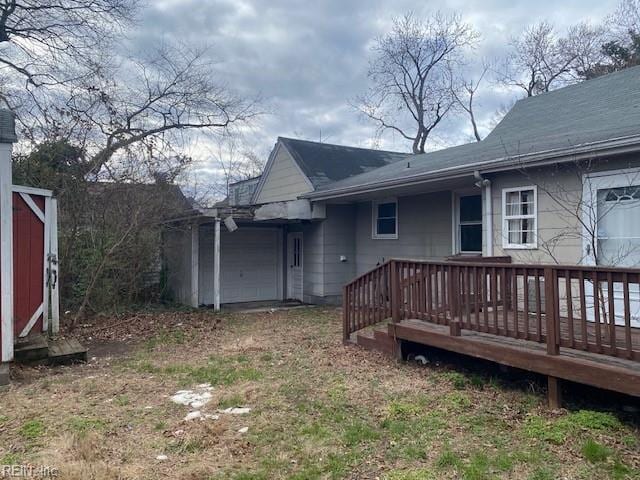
[453,295]
[395,292]
[551,299]
[345,314]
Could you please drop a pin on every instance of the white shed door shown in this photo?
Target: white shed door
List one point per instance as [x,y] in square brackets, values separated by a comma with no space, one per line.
[250,265]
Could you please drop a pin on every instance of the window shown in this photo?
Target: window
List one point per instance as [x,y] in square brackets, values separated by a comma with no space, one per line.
[385,219]
[519,214]
[470,224]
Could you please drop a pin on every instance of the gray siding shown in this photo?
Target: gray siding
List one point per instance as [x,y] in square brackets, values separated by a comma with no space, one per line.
[424,231]
[339,239]
[560,234]
[284,180]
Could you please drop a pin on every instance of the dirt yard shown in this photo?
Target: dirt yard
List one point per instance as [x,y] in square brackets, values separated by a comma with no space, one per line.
[318,409]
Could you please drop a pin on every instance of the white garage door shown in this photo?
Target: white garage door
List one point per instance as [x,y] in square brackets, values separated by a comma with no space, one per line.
[250,265]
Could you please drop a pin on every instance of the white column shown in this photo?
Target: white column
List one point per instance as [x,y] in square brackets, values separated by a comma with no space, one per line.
[488,202]
[195,265]
[6,252]
[216,266]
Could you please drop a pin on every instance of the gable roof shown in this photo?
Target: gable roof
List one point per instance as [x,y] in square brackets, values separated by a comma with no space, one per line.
[580,118]
[325,163]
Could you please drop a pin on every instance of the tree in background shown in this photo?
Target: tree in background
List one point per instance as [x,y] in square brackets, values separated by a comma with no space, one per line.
[110,134]
[414,73]
[540,60]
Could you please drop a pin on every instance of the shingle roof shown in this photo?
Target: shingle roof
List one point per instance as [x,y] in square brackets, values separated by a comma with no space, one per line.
[597,110]
[324,163]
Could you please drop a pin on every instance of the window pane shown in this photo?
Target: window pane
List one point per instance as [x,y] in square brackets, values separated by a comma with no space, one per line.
[386,210]
[471,238]
[386,226]
[471,208]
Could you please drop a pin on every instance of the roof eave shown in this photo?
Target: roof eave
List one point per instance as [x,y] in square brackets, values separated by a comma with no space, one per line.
[615,146]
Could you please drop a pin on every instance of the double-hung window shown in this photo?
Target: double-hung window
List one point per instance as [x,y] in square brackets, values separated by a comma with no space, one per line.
[519,217]
[385,219]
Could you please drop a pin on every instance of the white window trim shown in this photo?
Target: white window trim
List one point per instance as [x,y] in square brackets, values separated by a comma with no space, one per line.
[457,250]
[374,220]
[505,224]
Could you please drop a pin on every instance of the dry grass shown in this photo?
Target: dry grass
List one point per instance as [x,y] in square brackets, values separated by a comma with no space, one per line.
[320,410]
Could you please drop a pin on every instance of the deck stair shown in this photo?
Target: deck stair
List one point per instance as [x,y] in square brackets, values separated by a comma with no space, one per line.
[38,349]
[377,339]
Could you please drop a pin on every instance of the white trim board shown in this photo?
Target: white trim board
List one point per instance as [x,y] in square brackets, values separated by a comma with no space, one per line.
[32,190]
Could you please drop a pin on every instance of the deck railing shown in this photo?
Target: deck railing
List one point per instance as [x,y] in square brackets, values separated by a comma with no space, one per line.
[594,309]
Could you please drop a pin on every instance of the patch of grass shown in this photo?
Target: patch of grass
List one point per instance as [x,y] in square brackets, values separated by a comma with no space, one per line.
[122,400]
[414,474]
[3,419]
[186,445]
[557,431]
[591,420]
[448,459]
[231,401]
[542,473]
[458,380]
[160,426]
[402,410]
[165,337]
[359,432]
[457,400]
[477,468]
[83,425]
[595,452]
[217,370]
[10,459]
[32,429]
[545,430]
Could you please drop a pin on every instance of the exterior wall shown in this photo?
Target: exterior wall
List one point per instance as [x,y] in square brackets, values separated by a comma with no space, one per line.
[284,180]
[424,231]
[177,257]
[339,240]
[559,227]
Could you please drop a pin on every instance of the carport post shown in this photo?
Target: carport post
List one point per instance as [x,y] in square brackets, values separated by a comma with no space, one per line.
[216,266]
[195,265]
[7,138]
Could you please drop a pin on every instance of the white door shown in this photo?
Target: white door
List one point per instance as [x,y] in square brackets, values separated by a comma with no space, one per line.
[294,262]
[613,203]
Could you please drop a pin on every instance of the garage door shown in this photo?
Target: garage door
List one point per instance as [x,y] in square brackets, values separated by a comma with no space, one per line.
[250,265]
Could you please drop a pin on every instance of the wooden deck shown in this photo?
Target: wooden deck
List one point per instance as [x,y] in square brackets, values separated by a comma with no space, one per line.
[553,320]
[597,370]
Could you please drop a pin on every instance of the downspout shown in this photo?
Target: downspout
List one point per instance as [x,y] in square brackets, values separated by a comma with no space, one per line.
[488,210]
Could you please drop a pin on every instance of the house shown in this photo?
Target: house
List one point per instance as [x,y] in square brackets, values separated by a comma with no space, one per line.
[492,249]
[322,214]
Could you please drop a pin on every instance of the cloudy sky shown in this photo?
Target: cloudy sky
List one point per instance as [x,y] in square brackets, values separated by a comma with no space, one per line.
[308,59]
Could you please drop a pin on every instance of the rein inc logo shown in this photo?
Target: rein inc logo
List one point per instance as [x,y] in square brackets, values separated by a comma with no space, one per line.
[28,471]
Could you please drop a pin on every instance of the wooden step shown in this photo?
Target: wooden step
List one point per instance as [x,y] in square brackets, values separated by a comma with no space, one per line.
[31,349]
[377,340]
[65,351]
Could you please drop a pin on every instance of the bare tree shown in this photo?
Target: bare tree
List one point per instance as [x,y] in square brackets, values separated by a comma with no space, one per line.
[413,73]
[46,45]
[233,162]
[466,98]
[541,60]
[149,108]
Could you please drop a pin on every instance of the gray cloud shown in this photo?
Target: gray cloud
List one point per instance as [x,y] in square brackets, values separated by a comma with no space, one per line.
[308,59]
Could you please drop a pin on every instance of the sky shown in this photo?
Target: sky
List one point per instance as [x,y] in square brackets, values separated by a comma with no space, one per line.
[308,60]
